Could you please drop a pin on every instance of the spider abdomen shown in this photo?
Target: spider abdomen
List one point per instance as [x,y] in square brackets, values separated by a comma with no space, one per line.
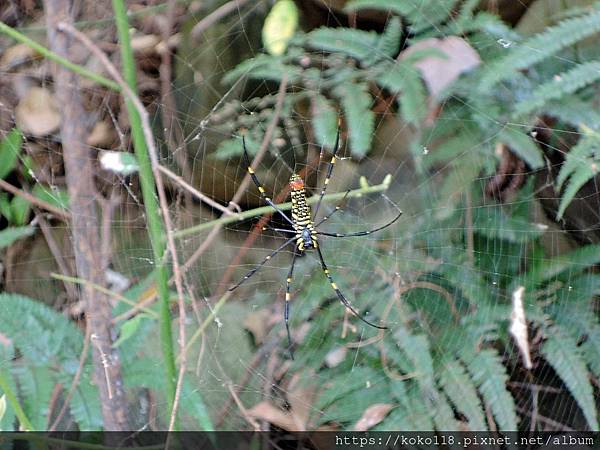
[301,215]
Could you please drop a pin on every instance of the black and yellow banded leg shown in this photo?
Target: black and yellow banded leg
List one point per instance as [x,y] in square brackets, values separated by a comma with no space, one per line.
[341,296]
[261,189]
[362,233]
[263,262]
[336,147]
[338,207]
[288,297]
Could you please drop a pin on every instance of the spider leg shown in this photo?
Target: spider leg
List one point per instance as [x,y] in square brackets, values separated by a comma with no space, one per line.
[337,208]
[259,186]
[365,232]
[280,230]
[341,296]
[262,263]
[336,147]
[288,297]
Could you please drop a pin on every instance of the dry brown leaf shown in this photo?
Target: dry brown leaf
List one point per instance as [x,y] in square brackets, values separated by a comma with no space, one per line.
[37,113]
[373,415]
[257,323]
[300,397]
[265,410]
[144,43]
[16,55]
[102,135]
[438,73]
[518,326]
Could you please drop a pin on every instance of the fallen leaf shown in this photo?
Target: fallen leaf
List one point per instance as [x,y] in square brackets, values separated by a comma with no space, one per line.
[257,323]
[37,113]
[267,411]
[336,356]
[439,73]
[102,135]
[15,56]
[300,397]
[373,415]
[144,43]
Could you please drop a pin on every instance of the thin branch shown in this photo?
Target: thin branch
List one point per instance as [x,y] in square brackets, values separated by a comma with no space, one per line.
[153,153]
[215,16]
[195,192]
[60,213]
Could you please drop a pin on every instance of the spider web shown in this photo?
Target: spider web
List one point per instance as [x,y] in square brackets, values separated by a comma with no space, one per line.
[240,361]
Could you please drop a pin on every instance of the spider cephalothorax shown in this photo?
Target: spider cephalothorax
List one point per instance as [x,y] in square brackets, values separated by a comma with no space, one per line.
[305,232]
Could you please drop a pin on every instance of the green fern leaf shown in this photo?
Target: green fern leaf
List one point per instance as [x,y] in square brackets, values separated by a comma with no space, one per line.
[358,44]
[264,67]
[389,41]
[325,121]
[541,46]
[459,387]
[574,262]
[574,111]
[345,384]
[413,101]
[577,157]
[564,84]
[8,419]
[490,377]
[356,103]
[85,404]
[591,349]
[563,354]
[523,146]
[36,385]
[576,181]
[494,223]
[400,7]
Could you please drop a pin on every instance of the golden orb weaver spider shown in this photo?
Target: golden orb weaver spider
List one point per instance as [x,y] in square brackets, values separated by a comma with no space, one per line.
[305,233]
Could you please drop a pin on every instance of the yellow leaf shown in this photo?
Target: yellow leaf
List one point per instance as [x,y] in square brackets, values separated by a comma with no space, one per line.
[280,25]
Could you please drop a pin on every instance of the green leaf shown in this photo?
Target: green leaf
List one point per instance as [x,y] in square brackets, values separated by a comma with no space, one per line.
[523,146]
[575,261]
[262,67]
[541,46]
[578,157]
[52,195]
[12,234]
[490,376]
[583,174]
[563,354]
[561,85]
[358,44]
[459,387]
[129,328]
[36,386]
[19,208]
[325,121]
[5,208]
[356,103]
[10,148]
[279,27]
[413,100]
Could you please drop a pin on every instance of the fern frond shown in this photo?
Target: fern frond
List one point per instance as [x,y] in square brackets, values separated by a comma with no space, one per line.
[523,146]
[459,387]
[578,156]
[265,67]
[400,7]
[356,103]
[575,111]
[325,120]
[563,354]
[494,223]
[561,85]
[574,262]
[490,377]
[413,101]
[346,384]
[541,46]
[581,176]
[591,349]
[388,44]
[36,385]
[85,404]
[358,44]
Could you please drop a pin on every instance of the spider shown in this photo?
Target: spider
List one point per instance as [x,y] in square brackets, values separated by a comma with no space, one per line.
[305,233]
